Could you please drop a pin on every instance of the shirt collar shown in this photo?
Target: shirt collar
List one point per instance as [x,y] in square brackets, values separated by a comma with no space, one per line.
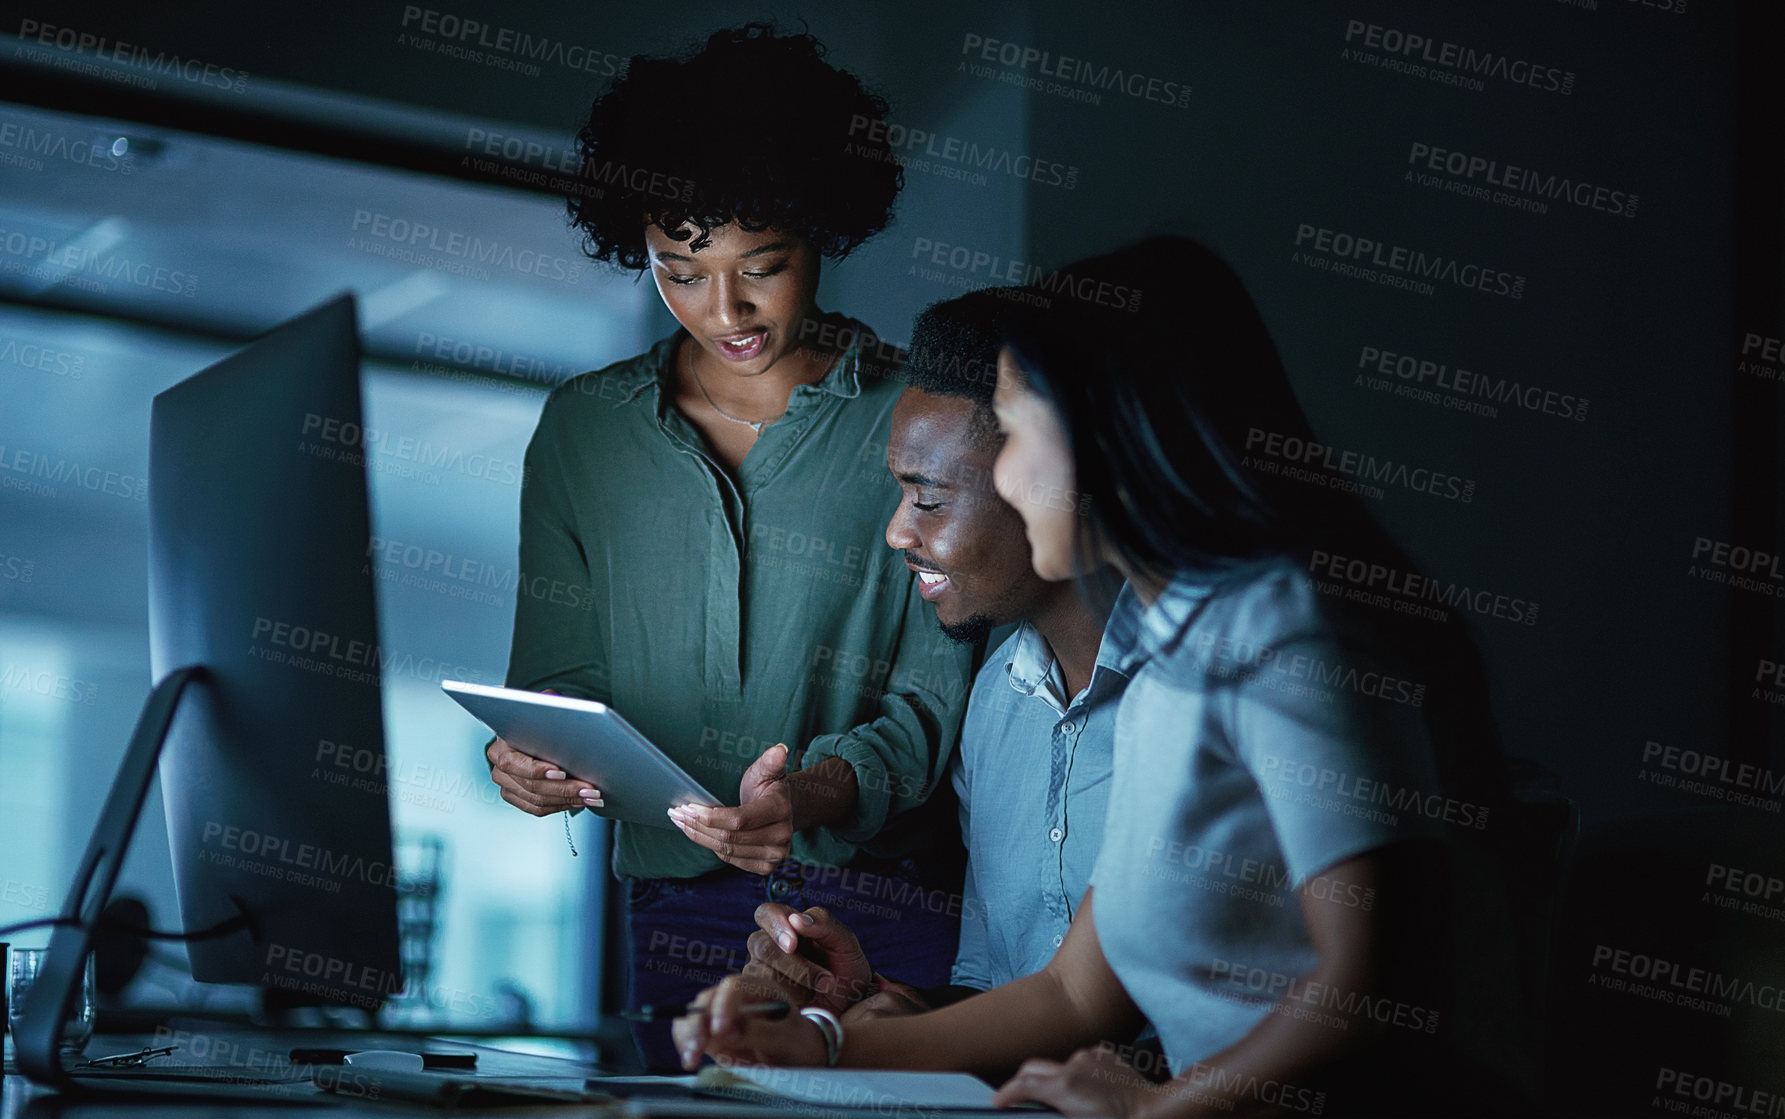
[1121,631]
[1159,624]
[1032,662]
[640,375]
[1034,670]
[862,348]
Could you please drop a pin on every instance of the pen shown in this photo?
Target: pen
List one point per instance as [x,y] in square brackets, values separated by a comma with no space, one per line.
[127,1060]
[649,1013]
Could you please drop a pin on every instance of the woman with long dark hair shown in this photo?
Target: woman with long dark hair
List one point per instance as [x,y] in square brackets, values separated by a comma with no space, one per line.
[1299,842]
[702,534]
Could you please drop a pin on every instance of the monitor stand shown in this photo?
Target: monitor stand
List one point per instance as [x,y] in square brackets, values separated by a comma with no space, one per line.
[52,999]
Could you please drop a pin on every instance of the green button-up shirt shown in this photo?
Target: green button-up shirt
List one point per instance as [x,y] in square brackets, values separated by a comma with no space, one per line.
[721,615]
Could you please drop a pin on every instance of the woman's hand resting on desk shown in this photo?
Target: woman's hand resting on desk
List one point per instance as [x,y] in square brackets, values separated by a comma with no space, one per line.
[1090,1082]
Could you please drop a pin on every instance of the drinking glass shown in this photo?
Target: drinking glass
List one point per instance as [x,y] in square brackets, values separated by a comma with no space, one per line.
[24,964]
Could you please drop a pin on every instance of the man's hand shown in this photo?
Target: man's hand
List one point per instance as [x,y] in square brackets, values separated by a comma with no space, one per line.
[535,786]
[894,1000]
[813,957]
[758,833]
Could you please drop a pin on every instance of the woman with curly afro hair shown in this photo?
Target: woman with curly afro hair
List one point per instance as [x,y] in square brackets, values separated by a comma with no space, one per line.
[702,531]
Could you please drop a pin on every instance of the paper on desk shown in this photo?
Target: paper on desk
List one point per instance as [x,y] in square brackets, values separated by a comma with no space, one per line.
[842,1087]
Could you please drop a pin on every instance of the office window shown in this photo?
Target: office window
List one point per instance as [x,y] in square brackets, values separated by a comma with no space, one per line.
[458,362]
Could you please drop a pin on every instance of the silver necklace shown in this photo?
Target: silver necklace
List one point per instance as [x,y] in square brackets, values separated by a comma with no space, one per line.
[754,425]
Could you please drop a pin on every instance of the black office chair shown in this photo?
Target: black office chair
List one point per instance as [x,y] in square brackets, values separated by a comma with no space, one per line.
[1632,1027]
[1538,838]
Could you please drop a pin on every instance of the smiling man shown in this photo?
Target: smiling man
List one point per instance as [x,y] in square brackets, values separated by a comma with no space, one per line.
[1034,763]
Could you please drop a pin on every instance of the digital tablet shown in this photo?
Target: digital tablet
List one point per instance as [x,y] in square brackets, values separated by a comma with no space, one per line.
[588,740]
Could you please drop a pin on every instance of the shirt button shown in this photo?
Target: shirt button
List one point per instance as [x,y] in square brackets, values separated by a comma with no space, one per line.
[1059,940]
[1067,728]
[780,888]
[1055,835]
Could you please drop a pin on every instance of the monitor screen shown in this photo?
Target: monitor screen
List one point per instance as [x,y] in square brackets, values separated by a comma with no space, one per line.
[273,772]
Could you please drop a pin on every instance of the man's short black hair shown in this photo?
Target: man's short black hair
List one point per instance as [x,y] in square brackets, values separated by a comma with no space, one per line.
[954,352]
[755,128]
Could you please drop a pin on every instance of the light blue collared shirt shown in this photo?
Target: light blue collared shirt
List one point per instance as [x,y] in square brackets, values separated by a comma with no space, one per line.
[1033,775]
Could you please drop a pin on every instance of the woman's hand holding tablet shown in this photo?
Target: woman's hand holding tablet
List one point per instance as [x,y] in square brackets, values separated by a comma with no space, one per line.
[534,785]
[551,751]
[758,833]
[772,805]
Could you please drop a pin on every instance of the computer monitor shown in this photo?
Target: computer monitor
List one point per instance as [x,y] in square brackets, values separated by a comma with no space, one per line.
[266,717]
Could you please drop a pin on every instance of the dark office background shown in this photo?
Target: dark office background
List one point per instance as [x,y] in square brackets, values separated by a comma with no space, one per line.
[1635,524]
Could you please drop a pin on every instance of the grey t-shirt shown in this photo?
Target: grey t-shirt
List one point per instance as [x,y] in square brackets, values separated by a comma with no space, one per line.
[1253,751]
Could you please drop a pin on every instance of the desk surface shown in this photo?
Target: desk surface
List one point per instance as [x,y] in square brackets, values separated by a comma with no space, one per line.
[256,1054]
[265,1054]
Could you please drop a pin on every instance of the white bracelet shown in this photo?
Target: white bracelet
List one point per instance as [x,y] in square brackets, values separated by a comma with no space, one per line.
[830,1027]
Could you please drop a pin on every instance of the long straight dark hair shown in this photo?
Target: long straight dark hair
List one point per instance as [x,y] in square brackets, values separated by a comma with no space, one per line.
[1162,374]
[1160,404]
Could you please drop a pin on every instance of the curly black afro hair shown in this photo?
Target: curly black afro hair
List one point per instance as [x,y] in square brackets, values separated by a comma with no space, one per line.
[755,128]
